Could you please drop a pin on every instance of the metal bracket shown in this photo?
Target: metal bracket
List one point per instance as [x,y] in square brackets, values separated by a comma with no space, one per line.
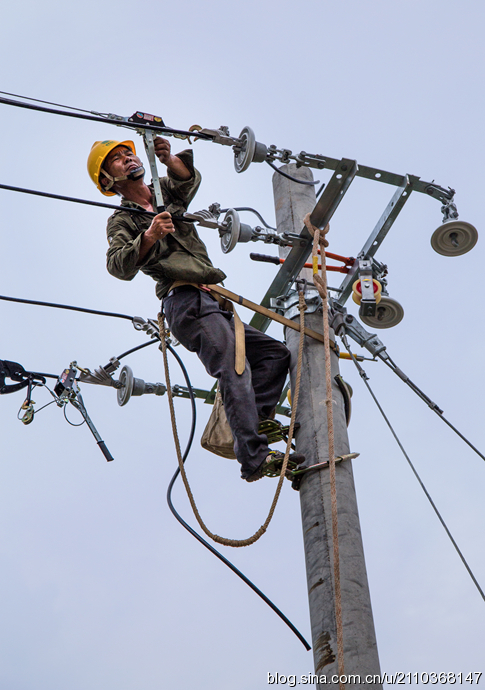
[219,136]
[322,213]
[379,233]
[339,319]
[288,305]
[150,327]
[77,401]
[368,302]
[449,211]
[150,151]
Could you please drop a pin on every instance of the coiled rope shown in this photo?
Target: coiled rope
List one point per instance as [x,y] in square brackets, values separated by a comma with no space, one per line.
[259,533]
[321,283]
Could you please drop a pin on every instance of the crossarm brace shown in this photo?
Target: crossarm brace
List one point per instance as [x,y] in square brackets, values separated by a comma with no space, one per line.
[321,215]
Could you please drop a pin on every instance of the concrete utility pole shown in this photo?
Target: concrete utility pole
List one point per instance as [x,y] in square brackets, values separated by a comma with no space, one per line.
[292,202]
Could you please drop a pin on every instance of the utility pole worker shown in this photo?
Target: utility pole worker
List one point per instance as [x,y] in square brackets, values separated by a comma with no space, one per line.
[170,251]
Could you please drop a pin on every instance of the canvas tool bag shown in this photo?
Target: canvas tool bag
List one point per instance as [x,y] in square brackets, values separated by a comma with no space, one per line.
[217,437]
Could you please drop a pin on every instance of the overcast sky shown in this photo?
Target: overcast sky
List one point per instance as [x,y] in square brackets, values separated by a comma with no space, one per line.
[101,587]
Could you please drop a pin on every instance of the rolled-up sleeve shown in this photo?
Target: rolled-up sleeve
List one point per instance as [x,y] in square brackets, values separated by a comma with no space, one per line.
[180,192]
[124,250]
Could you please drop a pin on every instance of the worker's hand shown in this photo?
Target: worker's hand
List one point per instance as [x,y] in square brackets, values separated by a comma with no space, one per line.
[173,163]
[161,225]
[162,149]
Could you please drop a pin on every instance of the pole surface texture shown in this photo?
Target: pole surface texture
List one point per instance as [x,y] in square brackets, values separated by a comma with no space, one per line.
[292,202]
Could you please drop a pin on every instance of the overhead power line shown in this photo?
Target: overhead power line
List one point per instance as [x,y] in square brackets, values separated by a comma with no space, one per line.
[76,200]
[107,119]
[186,452]
[197,535]
[38,100]
[66,306]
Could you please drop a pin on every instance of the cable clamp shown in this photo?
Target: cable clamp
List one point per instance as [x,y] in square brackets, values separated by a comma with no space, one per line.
[147,325]
[28,416]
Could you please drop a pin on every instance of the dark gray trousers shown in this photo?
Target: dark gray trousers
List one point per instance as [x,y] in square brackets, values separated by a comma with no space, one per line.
[197,321]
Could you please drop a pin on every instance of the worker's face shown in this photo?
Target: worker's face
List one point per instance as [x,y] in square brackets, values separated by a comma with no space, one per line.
[121,161]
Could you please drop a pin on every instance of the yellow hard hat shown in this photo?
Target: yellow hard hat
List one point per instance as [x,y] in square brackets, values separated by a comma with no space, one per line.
[96,158]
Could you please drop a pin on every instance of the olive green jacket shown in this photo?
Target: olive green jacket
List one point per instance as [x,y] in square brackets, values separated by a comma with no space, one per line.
[178,256]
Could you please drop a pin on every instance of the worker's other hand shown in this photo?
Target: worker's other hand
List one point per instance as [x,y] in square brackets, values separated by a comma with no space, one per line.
[161,225]
[162,149]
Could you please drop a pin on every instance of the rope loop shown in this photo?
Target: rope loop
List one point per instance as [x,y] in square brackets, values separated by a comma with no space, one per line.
[319,240]
[259,533]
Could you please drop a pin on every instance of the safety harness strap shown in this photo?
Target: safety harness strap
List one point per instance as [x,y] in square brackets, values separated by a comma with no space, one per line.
[218,289]
[240,349]
[226,298]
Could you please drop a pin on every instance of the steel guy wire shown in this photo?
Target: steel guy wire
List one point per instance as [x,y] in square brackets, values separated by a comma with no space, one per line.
[433,406]
[365,379]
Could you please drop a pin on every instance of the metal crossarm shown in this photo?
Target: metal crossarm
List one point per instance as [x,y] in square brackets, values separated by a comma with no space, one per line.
[378,234]
[321,215]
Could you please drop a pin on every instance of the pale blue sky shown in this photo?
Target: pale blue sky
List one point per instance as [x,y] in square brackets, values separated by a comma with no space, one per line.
[101,587]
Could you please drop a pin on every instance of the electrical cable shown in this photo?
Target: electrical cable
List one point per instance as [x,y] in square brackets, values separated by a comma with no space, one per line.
[289,177]
[365,378]
[47,376]
[320,190]
[252,210]
[76,200]
[138,347]
[109,120]
[37,100]
[189,444]
[201,539]
[433,406]
[66,306]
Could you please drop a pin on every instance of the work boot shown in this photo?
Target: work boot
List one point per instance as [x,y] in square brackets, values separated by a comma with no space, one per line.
[272,464]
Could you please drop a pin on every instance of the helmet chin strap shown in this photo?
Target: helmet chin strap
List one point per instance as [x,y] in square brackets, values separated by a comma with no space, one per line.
[135,174]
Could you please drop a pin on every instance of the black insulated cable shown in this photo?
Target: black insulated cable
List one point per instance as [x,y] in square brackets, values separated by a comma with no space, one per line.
[365,379]
[289,177]
[108,120]
[75,200]
[186,452]
[66,306]
[38,100]
[201,539]
[87,202]
[251,210]
[138,347]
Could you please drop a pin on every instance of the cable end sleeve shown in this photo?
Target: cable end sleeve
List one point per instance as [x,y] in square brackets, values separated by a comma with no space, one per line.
[264,257]
[105,451]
